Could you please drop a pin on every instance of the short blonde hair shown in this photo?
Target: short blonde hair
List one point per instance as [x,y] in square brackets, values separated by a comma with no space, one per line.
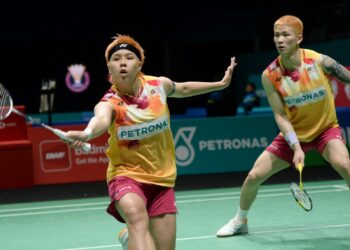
[120,39]
[291,21]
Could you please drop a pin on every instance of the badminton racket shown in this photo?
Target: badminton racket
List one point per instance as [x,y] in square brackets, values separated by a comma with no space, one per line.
[299,193]
[6,108]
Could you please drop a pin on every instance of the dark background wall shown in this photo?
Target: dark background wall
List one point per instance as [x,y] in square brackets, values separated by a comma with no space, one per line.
[184,40]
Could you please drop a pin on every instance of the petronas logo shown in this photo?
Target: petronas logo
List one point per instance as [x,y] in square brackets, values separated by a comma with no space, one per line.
[184,150]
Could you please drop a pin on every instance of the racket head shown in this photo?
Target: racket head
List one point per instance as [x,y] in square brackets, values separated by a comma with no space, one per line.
[301,197]
[6,104]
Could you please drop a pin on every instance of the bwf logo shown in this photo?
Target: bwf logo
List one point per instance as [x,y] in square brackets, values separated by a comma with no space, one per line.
[184,150]
[77,78]
[55,156]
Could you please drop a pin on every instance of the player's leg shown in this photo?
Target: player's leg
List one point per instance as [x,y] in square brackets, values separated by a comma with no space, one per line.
[128,205]
[163,230]
[162,212]
[336,153]
[265,166]
[133,210]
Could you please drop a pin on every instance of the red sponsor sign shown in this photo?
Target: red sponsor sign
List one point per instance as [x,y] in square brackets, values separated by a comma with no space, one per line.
[55,162]
[54,156]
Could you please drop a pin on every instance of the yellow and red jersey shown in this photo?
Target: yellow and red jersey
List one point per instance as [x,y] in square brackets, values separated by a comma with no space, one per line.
[307,95]
[141,144]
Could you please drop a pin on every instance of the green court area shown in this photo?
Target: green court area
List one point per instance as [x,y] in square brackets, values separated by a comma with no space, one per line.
[276,222]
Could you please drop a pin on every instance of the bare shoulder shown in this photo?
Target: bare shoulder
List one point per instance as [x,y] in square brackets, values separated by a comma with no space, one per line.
[265,79]
[267,84]
[164,80]
[104,106]
[169,85]
[327,62]
[330,65]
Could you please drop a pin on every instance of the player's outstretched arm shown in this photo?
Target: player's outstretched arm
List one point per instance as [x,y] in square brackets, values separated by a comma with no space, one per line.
[98,124]
[192,88]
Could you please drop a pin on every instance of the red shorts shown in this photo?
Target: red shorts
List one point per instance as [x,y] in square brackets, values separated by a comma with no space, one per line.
[281,149]
[158,199]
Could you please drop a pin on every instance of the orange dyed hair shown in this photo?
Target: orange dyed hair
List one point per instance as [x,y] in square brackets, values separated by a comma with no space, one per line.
[119,39]
[291,21]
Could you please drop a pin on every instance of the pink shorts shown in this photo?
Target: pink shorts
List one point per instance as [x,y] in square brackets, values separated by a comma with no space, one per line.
[158,199]
[281,149]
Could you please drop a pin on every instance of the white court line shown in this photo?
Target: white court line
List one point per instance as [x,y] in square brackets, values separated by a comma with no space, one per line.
[53,207]
[262,190]
[178,202]
[259,196]
[341,187]
[96,247]
[52,212]
[213,236]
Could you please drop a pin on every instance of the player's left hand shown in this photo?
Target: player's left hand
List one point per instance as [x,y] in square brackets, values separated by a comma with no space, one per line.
[226,80]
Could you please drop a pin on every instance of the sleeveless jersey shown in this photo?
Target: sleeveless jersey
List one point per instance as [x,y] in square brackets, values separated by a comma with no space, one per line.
[307,95]
[141,144]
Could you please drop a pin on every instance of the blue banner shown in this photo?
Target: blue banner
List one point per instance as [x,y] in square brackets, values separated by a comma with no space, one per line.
[232,144]
[223,144]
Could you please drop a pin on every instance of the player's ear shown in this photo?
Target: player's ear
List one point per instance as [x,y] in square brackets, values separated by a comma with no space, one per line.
[300,39]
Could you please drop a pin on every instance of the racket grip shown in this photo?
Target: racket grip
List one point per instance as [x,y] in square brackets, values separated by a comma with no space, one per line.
[61,134]
[300,167]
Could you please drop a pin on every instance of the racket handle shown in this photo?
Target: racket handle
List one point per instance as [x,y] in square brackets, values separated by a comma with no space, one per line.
[300,167]
[61,134]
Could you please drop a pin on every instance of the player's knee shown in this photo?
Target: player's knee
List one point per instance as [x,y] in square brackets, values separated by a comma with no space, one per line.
[343,168]
[135,215]
[252,179]
[342,164]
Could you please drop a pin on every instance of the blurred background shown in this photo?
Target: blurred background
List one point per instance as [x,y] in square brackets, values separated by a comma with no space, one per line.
[184,40]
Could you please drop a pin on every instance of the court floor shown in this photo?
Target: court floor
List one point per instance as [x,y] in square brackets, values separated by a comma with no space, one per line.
[275,221]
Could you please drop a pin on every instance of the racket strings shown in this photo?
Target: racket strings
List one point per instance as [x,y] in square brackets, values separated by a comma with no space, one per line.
[2,96]
[6,107]
[301,197]
[5,103]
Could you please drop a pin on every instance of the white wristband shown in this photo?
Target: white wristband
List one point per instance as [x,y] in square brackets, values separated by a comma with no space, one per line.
[291,138]
[88,132]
